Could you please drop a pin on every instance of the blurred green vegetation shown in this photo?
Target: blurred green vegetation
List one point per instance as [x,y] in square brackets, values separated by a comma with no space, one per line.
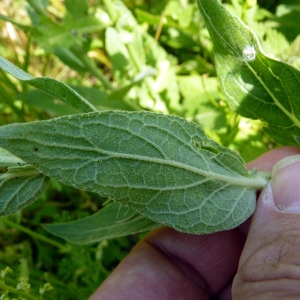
[129,55]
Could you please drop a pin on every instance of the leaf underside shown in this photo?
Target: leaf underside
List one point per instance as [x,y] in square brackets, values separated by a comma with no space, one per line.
[110,222]
[162,166]
[20,184]
[19,192]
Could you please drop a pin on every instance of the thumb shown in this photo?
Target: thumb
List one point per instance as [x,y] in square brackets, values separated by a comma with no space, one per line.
[270,262]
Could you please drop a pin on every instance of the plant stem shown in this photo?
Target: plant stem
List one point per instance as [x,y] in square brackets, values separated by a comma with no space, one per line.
[96,72]
[5,79]
[110,9]
[33,234]
[133,56]
[148,81]
[25,172]
[36,5]
[11,289]
[7,99]
[92,68]
[266,175]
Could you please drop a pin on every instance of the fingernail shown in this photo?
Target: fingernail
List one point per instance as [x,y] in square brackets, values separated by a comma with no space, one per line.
[286,184]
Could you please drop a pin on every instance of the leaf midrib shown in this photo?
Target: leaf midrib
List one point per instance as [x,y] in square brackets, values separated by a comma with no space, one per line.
[246,182]
[291,116]
[242,181]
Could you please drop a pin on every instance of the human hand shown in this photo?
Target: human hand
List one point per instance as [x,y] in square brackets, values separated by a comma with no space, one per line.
[260,262]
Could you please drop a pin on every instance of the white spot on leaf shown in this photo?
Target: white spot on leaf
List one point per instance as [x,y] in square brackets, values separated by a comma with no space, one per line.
[249,53]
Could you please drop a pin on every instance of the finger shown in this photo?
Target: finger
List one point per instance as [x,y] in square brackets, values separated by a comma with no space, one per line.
[265,163]
[269,265]
[172,265]
[208,260]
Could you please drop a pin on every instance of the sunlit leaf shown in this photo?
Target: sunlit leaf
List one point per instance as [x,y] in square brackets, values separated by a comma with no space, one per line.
[255,85]
[49,85]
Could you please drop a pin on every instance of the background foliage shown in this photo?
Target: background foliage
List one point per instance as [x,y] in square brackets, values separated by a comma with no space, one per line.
[130,55]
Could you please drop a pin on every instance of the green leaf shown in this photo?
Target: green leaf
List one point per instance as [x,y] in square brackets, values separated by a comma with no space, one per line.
[117,52]
[100,99]
[50,104]
[199,103]
[20,184]
[112,221]
[70,59]
[72,31]
[103,101]
[77,8]
[49,85]
[255,85]
[121,92]
[21,26]
[162,166]
[288,19]
[8,160]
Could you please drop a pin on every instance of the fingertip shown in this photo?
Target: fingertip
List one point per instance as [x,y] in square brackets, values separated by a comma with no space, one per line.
[286,184]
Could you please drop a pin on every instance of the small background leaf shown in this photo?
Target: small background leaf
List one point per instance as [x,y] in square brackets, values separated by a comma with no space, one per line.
[111,221]
[49,85]
[20,184]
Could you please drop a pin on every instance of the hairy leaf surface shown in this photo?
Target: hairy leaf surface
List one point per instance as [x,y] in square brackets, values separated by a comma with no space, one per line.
[256,86]
[162,166]
[8,160]
[20,184]
[110,222]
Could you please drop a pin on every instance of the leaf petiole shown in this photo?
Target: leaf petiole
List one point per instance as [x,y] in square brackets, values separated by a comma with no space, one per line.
[22,172]
[266,175]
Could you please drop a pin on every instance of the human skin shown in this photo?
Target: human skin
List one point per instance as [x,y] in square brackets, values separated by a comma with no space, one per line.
[260,262]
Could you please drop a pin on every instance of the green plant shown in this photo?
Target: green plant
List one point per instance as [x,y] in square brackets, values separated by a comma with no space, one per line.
[159,169]
[162,167]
